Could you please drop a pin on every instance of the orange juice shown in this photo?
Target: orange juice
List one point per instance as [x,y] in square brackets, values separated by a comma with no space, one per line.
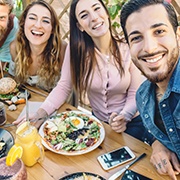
[29,139]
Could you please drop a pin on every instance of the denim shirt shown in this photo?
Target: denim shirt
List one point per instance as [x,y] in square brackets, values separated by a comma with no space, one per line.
[169,107]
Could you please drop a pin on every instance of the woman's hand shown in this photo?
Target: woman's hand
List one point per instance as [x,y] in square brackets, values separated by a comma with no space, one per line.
[36,119]
[118,122]
[164,160]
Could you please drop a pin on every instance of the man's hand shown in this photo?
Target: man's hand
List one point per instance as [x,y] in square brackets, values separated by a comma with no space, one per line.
[118,122]
[164,160]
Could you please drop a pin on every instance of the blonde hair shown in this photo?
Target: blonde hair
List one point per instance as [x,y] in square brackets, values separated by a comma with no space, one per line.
[10,3]
[51,59]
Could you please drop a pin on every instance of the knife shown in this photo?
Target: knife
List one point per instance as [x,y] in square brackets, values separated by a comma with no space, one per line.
[33,120]
[9,125]
[122,170]
[34,91]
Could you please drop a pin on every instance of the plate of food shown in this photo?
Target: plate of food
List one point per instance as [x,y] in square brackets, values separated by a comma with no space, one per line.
[82,176]
[72,133]
[6,142]
[10,93]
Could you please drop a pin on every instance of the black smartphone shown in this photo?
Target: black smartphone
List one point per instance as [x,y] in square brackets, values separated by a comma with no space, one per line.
[132,175]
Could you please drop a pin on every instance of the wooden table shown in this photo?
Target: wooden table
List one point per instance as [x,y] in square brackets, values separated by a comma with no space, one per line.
[56,166]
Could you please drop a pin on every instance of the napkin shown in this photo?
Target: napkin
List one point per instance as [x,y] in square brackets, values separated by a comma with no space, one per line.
[33,107]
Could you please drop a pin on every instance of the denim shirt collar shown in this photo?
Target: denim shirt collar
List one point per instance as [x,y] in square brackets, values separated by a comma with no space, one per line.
[175,79]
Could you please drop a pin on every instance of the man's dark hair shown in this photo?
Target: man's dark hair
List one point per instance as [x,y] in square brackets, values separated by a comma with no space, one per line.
[135,5]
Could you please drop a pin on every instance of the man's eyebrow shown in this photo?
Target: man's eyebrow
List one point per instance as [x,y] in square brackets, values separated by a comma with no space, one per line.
[85,10]
[3,16]
[152,27]
[157,25]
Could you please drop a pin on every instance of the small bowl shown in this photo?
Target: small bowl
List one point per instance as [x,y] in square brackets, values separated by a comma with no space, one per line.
[15,172]
[7,138]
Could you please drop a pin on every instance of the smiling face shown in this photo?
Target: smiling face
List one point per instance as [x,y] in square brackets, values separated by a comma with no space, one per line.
[92,18]
[153,43]
[4,17]
[38,26]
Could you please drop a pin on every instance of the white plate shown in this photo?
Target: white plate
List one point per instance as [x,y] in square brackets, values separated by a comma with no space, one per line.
[79,152]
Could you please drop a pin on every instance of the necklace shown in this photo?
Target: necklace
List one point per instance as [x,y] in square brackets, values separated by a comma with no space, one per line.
[107,58]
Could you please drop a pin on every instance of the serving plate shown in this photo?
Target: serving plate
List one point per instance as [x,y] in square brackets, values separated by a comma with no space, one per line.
[78,175]
[75,152]
[7,138]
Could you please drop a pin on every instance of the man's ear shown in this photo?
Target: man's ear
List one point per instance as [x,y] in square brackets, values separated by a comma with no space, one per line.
[79,26]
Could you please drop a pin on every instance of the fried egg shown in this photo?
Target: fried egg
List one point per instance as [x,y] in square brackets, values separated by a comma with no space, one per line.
[77,122]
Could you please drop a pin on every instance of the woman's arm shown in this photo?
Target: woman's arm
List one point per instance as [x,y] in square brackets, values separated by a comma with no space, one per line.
[61,92]
[130,107]
[129,110]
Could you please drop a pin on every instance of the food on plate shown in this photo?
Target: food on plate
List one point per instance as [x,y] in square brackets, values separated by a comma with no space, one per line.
[3,147]
[70,131]
[2,144]
[87,177]
[10,93]
[8,88]
[82,176]
[12,107]
[7,85]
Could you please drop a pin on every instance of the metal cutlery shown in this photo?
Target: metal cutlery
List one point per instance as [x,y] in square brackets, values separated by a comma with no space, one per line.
[122,170]
[32,90]
[33,120]
[9,125]
[27,107]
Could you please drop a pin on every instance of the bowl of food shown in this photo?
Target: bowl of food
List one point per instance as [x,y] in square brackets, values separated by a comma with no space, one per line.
[82,176]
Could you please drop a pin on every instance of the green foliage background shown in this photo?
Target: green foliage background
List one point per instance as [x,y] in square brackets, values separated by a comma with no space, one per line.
[114,7]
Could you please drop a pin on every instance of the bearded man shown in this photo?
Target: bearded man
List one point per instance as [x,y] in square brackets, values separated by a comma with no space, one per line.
[153,34]
[8,29]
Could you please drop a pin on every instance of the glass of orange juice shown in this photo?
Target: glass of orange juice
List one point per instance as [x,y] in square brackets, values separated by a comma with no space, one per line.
[29,139]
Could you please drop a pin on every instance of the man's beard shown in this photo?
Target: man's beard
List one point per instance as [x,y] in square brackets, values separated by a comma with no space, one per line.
[2,32]
[161,76]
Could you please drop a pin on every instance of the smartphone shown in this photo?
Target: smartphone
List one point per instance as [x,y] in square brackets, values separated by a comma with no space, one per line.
[129,175]
[116,157]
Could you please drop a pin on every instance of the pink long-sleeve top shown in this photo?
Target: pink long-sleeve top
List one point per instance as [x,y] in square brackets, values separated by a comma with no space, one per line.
[109,92]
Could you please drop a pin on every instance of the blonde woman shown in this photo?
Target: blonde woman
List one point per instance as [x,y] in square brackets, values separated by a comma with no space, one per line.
[38,51]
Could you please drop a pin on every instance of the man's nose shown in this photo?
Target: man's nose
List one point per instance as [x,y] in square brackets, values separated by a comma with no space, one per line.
[150,44]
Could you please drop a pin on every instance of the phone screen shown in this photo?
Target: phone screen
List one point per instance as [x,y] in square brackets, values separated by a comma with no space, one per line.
[116,157]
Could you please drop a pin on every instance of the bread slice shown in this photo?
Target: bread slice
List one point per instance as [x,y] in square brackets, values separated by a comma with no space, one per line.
[7,85]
